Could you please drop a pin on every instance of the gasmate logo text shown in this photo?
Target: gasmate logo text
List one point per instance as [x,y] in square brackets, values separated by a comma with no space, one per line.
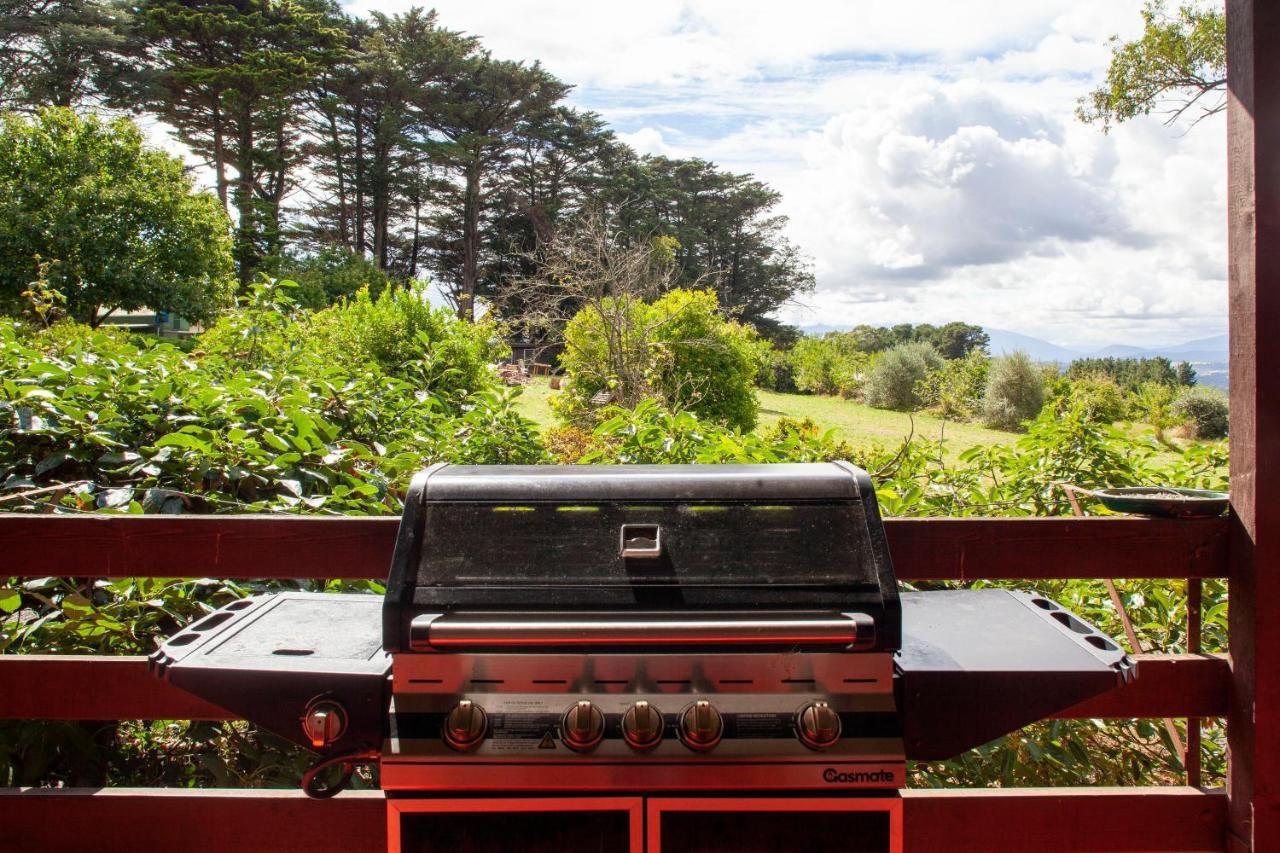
[855,777]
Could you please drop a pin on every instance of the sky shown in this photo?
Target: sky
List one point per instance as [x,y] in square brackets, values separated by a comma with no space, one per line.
[927,151]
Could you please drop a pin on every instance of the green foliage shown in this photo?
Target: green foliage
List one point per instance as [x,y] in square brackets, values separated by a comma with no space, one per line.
[957,388]
[105,221]
[1204,410]
[777,371]
[332,275]
[896,374]
[1097,395]
[652,434]
[1129,373]
[680,350]
[399,333]
[1152,403]
[704,363]
[1014,392]
[1180,61]
[832,364]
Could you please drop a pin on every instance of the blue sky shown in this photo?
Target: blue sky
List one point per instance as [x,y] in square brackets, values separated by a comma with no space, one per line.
[927,152]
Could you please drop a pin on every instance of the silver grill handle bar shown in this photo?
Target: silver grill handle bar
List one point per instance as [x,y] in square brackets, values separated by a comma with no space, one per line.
[465,632]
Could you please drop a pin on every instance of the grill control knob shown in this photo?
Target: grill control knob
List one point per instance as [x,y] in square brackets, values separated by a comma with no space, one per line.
[642,726]
[324,722]
[701,726]
[817,726]
[583,726]
[464,726]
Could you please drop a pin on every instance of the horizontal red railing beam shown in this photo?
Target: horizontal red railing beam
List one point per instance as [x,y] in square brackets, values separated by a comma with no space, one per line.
[87,687]
[1099,820]
[318,547]
[956,820]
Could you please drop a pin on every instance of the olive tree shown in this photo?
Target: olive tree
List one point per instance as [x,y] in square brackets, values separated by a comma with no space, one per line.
[107,222]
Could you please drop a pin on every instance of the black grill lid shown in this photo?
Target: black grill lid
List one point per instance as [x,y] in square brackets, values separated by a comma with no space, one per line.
[648,538]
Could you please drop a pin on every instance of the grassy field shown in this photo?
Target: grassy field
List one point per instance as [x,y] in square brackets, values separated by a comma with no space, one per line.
[857,424]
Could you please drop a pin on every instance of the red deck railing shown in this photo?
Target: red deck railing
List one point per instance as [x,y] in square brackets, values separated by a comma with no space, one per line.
[98,687]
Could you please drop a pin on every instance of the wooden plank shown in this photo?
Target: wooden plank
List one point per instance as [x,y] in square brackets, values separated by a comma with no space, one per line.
[66,687]
[989,820]
[329,547]
[1064,820]
[170,819]
[1167,686]
[94,687]
[1253,250]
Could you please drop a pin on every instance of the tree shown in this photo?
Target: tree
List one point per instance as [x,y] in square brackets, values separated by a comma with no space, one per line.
[896,377]
[229,75]
[483,102]
[1186,373]
[58,52]
[117,223]
[1178,63]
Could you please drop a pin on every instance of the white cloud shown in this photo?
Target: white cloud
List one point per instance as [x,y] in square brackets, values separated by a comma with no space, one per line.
[926,150]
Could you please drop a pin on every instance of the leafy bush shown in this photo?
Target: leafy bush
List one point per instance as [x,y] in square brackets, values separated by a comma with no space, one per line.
[956,389]
[1014,392]
[399,332]
[1130,373]
[1098,395]
[106,222]
[334,274]
[832,364]
[897,373]
[679,350]
[1204,410]
[777,372]
[1152,403]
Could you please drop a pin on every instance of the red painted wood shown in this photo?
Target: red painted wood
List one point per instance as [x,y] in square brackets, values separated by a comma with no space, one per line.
[328,547]
[1064,820]
[1167,686]
[993,821]
[185,821]
[94,687]
[66,687]
[1253,237]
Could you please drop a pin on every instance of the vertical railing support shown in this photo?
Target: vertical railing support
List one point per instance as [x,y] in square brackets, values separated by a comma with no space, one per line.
[1253,239]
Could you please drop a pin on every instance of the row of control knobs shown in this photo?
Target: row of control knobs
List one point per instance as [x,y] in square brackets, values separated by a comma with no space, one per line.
[700,727]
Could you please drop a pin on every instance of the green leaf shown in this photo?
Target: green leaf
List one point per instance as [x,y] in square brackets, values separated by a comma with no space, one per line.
[10,599]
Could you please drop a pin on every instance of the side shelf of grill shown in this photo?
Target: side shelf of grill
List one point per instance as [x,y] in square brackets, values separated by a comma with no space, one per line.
[977,664]
[270,658]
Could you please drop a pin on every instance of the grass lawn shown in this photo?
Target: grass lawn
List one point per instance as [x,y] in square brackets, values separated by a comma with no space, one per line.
[857,424]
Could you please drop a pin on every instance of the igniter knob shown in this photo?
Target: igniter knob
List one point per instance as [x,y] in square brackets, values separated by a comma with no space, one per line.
[323,722]
[464,725]
[642,726]
[817,726]
[583,726]
[701,726]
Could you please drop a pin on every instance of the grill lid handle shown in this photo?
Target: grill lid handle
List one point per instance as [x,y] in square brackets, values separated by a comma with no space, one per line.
[474,631]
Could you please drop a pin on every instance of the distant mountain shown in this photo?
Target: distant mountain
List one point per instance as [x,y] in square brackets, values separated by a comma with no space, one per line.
[1004,342]
[1117,351]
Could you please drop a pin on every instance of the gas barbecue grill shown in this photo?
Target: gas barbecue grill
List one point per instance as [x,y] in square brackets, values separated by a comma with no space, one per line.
[641,629]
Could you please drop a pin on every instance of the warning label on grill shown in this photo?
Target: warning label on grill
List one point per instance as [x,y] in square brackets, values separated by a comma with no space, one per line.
[519,732]
[759,725]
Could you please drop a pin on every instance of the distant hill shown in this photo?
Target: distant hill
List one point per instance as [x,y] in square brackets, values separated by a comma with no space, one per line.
[1207,355]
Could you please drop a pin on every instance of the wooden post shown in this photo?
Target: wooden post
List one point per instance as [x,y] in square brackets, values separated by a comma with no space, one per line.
[1253,219]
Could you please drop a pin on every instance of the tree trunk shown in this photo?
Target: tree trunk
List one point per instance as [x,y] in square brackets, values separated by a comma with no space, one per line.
[245,250]
[417,221]
[470,244]
[344,215]
[219,155]
[358,123]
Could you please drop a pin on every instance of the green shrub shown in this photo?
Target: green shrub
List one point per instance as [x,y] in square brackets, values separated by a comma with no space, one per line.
[777,372]
[1152,403]
[1014,392]
[1097,395]
[956,389]
[896,374]
[832,364]
[399,332]
[1204,410]
[679,350]
[332,275]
